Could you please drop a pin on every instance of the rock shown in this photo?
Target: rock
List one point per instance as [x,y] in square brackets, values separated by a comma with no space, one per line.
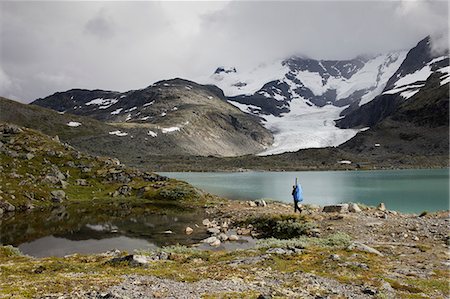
[188,230]
[81,182]
[63,184]
[58,195]
[124,190]
[209,240]
[132,260]
[243,231]
[363,247]
[168,232]
[1,211]
[261,296]
[223,237]
[277,251]
[206,222]
[213,231]
[261,203]
[335,257]
[233,238]
[381,207]
[252,204]
[7,207]
[29,156]
[224,225]
[369,291]
[354,208]
[216,243]
[10,129]
[340,208]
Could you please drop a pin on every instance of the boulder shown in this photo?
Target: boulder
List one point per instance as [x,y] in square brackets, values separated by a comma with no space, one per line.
[81,182]
[223,237]
[210,240]
[206,222]
[10,129]
[132,259]
[213,231]
[340,208]
[354,208]
[252,204]
[381,206]
[29,156]
[7,207]
[261,203]
[58,195]
[233,238]
[363,247]
[216,243]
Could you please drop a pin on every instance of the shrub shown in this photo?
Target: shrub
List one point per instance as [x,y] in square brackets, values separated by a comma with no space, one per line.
[178,192]
[281,226]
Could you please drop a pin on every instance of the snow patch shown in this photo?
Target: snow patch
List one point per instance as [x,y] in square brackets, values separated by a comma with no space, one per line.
[118,133]
[73,124]
[148,104]
[115,112]
[152,133]
[170,129]
[103,103]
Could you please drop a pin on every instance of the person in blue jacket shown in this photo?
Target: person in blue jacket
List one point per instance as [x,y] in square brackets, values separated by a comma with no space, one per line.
[297,194]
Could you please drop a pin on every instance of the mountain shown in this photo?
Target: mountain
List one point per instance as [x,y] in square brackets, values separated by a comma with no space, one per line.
[300,98]
[412,114]
[171,117]
[420,66]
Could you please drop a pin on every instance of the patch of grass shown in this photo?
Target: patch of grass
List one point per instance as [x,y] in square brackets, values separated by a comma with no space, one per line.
[339,240]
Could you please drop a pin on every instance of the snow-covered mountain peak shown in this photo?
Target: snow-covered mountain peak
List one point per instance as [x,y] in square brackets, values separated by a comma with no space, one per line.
[300,97]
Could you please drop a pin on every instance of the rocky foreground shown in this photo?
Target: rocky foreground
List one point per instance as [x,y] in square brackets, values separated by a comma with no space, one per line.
[342,251]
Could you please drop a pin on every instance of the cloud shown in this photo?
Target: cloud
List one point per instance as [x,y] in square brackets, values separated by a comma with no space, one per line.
[100,26]
[53,46]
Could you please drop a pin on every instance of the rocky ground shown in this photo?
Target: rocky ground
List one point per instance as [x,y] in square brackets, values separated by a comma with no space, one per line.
[343,251]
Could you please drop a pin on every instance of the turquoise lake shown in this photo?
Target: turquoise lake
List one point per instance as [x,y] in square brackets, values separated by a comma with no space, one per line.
[409,191]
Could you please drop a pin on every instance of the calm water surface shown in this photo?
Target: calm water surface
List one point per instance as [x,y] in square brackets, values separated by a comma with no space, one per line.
[409,191]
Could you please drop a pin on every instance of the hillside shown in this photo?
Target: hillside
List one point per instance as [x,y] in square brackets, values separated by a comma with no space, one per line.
[170,117]
[38,171]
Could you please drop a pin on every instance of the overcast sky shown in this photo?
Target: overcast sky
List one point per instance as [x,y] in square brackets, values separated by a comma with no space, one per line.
[55,46]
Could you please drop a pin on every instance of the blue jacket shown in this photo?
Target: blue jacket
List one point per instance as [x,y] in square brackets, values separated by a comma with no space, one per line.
[297,193]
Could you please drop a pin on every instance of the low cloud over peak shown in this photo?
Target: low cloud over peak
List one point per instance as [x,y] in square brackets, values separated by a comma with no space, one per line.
[53,46]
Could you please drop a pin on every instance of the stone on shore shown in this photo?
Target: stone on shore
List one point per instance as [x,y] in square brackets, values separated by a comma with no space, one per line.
[381,206]
[354,208]
[233,238]
[188,230]
[340,208]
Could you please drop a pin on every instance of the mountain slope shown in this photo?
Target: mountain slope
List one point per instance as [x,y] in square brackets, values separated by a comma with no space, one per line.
[411,77]
[172,116]
[411,116]
[300,98]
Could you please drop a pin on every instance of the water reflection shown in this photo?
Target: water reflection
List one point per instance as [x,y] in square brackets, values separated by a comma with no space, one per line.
[90,229]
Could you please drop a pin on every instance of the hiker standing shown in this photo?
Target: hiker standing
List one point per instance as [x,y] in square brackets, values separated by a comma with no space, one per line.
[297,194]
